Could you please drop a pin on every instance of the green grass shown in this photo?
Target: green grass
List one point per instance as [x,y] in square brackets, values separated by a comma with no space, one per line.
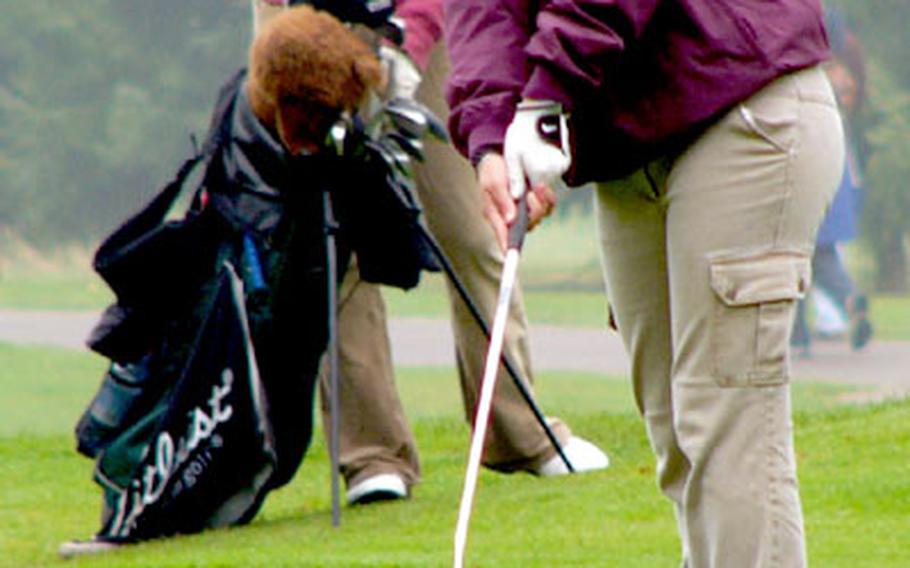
[586,308]
[58,279]
[891,317]
[570,307]
[853,468]
[44,390]
[72,290]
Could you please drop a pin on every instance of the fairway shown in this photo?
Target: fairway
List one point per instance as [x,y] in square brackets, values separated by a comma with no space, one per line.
[251,248]
[853,468]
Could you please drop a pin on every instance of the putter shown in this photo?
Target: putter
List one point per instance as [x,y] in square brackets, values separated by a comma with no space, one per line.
[497,336]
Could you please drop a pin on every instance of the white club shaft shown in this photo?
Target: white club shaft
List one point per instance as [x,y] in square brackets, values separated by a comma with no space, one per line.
[484,404]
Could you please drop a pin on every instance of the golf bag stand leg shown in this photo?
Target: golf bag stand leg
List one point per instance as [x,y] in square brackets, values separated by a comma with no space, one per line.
[519,382]
[330,226]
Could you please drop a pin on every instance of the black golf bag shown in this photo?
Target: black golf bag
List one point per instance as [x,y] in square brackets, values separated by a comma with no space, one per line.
[221,319]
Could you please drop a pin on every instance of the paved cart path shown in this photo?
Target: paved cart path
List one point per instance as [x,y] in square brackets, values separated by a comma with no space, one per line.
[883,366]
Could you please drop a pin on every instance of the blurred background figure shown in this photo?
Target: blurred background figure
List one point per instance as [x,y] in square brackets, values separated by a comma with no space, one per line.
[841,309]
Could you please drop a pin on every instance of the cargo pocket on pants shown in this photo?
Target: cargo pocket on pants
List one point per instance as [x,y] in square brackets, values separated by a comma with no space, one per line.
[757,296]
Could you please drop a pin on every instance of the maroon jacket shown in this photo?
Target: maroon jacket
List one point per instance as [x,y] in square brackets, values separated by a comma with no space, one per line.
[638,76]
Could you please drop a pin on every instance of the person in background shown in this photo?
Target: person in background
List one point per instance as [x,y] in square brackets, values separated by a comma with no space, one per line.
[378,454]
[715,141]
[847,72]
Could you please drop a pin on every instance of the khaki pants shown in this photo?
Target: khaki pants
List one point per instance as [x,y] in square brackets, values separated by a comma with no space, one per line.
[374,434]
[705,255]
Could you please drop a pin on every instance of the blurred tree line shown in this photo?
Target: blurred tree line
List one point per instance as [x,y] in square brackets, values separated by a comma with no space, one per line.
[882,27]
[98,99]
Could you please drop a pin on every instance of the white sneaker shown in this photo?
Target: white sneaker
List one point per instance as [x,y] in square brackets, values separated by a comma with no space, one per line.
[582,454]
[94,545]
[382,487]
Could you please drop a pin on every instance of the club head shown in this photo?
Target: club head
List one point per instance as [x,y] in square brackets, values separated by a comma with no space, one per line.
[393,30]
[394,157]
[412,146]
[410,122]
[338,133]
[415,119]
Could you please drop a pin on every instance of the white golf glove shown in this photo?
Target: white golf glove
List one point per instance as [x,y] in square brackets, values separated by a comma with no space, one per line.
[536,146]
[403,75]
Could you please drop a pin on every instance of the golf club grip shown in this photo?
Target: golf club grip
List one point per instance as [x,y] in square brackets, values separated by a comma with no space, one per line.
[519,226]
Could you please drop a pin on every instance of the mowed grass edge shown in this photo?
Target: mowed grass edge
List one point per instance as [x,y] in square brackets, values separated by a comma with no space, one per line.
[890,315]
[560,272]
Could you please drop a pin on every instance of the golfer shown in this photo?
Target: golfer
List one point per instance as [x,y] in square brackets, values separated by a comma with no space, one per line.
[716,145]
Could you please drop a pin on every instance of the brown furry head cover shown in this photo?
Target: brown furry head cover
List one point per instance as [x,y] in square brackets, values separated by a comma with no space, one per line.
[305,69]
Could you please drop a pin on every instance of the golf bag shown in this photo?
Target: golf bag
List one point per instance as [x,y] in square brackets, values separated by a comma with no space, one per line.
[221,320]
[203,454]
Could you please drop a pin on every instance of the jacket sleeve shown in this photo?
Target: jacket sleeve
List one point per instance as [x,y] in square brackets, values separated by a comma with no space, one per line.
[423,27]
[501,51]
[488,69]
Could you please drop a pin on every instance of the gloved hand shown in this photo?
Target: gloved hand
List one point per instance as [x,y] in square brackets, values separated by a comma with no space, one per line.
[536,146]
[402,74]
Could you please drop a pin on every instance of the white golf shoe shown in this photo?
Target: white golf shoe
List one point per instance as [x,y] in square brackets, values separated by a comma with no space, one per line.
[382,487]
[582,454]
